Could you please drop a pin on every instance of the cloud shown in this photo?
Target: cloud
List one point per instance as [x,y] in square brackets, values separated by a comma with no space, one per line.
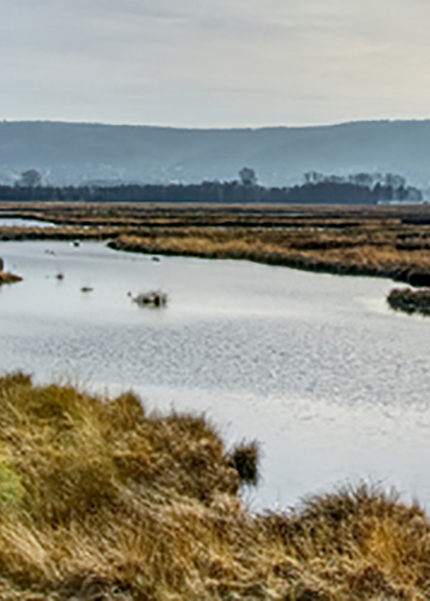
[249,60]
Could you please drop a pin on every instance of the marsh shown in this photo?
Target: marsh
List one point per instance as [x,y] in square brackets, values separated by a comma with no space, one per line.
[316,367]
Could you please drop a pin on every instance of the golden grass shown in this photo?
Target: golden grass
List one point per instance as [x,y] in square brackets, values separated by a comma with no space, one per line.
[371,240]
[362,252]
[101,501]
[9,278]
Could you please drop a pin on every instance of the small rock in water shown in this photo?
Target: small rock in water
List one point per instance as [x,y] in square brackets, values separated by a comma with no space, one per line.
[154,298]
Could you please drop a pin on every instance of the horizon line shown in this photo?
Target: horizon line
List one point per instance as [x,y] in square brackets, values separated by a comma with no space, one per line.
[214,128]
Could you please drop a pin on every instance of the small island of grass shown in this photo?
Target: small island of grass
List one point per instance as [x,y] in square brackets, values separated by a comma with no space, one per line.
[410,301]
[7,277]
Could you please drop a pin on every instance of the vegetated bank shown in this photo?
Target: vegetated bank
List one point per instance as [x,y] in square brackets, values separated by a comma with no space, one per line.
[103,501]
[384,241]
[361,251]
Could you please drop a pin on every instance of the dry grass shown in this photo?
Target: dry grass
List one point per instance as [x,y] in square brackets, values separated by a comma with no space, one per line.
[380,241]
[100,501]
[364,251]
[7,277]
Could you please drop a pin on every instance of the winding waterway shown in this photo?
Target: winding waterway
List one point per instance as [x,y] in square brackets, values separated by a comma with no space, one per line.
[333,384]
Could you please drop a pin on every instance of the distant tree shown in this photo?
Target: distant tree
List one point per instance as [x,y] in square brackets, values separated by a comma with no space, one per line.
[30,178]
[362,179]
[394,180]
[313,177]
[334,179]
[248,177]
[413,194]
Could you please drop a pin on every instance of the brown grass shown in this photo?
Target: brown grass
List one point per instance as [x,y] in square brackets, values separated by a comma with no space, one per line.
[101,501]
[380,241]
[362,252]
[7,277]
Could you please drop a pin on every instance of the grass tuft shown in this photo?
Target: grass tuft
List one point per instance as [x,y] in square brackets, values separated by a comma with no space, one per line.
[100,500]
[245,459]
[7,277]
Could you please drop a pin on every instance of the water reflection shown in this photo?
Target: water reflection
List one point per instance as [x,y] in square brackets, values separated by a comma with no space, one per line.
[333,384]
[18,222]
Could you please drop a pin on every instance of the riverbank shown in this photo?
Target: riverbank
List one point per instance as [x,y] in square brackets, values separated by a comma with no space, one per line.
[310,251]
[390,242]
[100,500]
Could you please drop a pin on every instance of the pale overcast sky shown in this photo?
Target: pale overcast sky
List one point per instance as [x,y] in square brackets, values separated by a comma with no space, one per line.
[214,63]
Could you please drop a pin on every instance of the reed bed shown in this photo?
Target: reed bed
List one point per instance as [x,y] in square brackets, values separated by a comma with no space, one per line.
[102,501]
[361,252]
[378,241]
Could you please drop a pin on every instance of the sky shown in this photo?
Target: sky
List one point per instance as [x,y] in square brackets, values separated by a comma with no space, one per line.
[214,63]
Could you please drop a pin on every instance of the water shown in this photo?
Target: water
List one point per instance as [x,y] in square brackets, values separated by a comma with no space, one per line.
[18,222]
[316,367]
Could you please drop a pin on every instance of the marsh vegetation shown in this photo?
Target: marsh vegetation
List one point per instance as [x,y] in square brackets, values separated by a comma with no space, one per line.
[101,500]
[409,300]
[7,277]
[379,241]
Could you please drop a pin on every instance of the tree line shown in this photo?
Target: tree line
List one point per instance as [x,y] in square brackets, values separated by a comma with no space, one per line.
[356,189]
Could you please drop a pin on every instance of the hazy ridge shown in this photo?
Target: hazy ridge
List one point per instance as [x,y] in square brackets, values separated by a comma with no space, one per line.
[78,152]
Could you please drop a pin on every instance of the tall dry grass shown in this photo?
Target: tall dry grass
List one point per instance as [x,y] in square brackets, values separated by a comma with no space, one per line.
[358,251]
[100,501]
[378,241]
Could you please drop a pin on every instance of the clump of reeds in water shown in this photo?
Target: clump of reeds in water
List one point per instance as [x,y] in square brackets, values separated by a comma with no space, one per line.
[409,300]
[7,277]
[99,500]
[154,298]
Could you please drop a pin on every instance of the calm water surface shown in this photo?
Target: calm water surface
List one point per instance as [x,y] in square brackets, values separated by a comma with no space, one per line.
[333,384]
[18,222]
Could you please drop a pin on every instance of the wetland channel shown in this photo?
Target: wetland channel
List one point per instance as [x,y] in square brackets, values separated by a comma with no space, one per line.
[332,383]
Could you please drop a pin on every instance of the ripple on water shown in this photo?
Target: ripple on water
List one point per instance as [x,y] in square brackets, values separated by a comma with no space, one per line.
[316,367]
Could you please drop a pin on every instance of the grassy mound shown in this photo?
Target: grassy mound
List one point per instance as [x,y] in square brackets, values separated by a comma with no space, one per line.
[7,277]
[100,501]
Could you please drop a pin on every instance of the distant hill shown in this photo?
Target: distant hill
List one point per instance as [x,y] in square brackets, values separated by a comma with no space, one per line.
[79,152]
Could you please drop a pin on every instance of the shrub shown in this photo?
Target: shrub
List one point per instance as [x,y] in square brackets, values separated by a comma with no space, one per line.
[245,459]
